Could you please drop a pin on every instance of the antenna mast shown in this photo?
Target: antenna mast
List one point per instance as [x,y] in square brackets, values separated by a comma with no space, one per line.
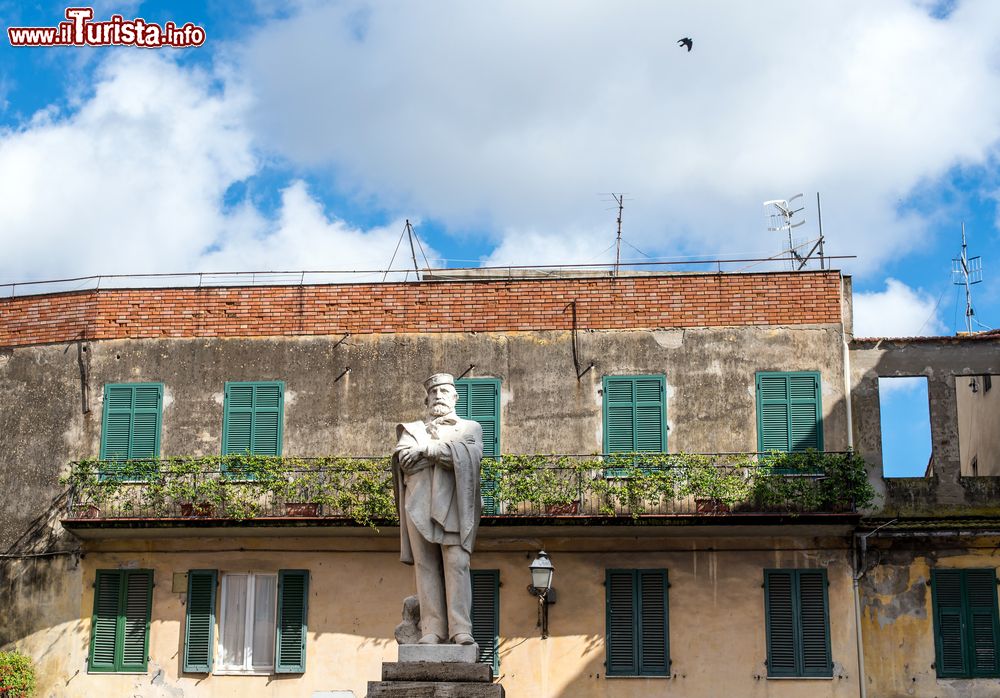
[966,271]
[620,200]
[779,214]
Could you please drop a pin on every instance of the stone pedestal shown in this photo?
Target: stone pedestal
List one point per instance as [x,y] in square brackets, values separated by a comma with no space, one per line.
[436,671]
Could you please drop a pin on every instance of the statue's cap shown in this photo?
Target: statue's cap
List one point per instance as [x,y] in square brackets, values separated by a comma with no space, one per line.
[439,379]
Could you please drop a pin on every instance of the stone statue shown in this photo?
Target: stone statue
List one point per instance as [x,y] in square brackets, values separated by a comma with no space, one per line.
[435,468]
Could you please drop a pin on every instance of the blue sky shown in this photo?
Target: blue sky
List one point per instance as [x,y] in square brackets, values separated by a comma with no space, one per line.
[301,135]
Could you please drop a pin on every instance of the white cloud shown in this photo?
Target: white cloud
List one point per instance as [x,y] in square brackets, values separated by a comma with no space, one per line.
[512,117]
[134,181]
[898,311]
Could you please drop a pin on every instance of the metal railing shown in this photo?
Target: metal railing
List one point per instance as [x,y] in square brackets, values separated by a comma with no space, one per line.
[513,486]
[205,279]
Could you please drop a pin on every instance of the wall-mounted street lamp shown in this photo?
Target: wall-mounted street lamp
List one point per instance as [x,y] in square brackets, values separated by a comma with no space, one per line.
[541,586]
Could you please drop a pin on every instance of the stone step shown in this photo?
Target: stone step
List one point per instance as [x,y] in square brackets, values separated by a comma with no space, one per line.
[437,671]
[433,689]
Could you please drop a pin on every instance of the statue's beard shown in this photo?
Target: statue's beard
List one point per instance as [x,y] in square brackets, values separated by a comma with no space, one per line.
[440,409]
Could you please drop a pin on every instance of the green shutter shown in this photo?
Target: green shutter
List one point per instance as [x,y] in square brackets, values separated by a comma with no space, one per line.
[797,617]
[479,400]
[290,640]
[620,603]
[981,590]
[131,423]
[637,623]
[486,616]
[252,419]
[966,628]
[138,597]
[654,656]
[199,623]
[634,416]
[122,605]
[949,609]
[104,624]
[814,623]
[789,412]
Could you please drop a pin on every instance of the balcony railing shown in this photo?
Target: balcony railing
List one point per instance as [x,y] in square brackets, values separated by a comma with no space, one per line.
[639,485]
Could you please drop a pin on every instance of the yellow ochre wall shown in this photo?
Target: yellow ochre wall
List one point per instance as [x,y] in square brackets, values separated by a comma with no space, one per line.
[716,615]
[898,622]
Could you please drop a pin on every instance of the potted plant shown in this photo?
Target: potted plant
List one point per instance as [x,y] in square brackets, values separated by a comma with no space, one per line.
[17,675]
[301,490]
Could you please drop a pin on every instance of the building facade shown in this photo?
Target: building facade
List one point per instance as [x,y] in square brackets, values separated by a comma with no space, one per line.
[201,506]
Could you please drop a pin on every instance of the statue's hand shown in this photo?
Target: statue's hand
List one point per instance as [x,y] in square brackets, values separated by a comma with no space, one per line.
[412,460]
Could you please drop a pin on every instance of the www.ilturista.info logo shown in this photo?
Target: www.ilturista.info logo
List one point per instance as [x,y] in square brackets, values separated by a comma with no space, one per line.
[80,30]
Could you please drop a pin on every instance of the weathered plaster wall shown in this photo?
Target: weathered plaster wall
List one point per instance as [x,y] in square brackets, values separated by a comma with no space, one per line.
[717,629]
[940,360]
[545,409]
[979,425]
[897,617]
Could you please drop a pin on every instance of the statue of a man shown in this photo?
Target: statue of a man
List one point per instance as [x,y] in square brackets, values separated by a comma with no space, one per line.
[436,476]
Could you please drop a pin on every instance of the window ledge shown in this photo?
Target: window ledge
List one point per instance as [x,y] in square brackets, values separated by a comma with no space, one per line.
[263,671]
[799,678]
[637,676]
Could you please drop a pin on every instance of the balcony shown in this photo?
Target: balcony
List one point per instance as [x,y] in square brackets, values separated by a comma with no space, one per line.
[517,489]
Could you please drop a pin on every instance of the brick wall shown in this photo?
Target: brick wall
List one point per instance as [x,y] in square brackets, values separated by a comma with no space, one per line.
[638,302]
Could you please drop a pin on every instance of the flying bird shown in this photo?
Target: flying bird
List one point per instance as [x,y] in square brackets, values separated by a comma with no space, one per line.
[686,41]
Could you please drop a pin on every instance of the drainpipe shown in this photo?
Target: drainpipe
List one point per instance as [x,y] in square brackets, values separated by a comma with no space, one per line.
[857,615]
[860,548]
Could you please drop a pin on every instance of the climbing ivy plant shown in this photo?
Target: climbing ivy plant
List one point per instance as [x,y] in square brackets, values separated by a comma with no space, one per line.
[361,489]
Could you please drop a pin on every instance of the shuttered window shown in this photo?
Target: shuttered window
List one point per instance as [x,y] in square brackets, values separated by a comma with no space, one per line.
[486,616]
[293,601]
[966,630]
[252,421]
[263,623]
[797,614]
[199,621]
[119,639]
[789,412]
[635,415]
[130,428]
[479,400]
[638,637]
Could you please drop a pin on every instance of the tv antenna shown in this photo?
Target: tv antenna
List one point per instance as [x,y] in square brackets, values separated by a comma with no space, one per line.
[620,200]
[967,271]
[408,232]
[780,216]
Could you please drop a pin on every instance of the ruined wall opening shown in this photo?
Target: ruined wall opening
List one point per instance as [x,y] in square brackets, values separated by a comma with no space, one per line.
[906,426]
[978,402]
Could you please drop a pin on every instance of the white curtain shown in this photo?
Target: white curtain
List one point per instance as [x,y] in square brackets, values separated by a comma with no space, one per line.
[234,620]
[265,593]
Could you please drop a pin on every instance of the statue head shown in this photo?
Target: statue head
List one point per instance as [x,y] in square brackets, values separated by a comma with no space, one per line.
[441,394]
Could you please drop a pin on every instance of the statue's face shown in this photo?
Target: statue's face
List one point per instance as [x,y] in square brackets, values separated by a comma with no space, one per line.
[441,400]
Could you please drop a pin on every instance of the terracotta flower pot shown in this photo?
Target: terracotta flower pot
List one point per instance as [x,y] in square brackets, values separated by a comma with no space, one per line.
[301,509]
[711,506]
[563,508]
[199,509]
[86,511]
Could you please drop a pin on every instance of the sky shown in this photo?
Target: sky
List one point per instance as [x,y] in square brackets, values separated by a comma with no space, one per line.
[302,136]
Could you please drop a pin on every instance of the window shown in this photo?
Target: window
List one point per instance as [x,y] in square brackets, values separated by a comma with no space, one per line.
[789,412]
[635,417]
[130,428]
[252,419]
[119,640]
[263,623]
[966,630]
[637,628]
[479,400]
[486,616]
[798,623]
